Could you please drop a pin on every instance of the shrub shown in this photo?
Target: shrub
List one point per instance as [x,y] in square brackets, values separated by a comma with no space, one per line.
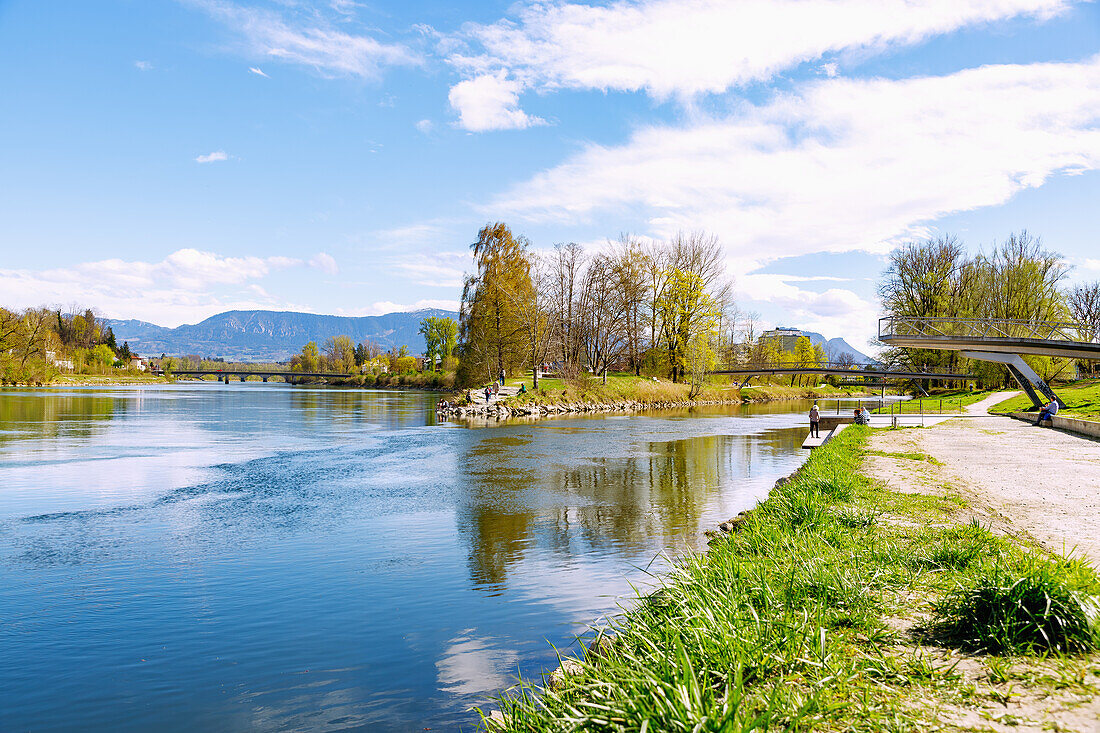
[1045,605]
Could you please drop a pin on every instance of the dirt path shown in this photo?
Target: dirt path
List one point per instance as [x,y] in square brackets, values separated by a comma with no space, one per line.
[1022,479]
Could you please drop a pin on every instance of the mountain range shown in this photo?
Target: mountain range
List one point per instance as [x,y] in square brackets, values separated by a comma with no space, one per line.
[271,335]
[278,335]
[834,347]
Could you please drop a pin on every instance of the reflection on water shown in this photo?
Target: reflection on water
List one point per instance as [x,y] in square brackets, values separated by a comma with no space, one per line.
[262,556]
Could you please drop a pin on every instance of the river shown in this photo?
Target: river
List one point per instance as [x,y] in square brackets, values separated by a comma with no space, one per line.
[260,556]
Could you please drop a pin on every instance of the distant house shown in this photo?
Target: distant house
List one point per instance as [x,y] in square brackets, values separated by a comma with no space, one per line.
[65,365]
[785,338]
[137,362]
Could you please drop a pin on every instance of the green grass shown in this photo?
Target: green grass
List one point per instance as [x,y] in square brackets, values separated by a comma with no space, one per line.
[1033,604]
[789,623]
[1082,400]
[941,402]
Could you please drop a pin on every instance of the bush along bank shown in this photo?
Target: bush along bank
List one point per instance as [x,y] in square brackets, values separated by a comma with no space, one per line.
[838,605]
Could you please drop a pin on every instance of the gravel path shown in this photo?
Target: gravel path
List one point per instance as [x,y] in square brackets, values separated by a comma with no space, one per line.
[1020,478]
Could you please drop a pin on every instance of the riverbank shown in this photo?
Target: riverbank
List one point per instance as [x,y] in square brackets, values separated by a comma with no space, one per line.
[101,380]
[629,394]
[843,603]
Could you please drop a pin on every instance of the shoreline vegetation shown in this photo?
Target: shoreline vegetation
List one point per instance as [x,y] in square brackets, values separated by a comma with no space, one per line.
[838,604]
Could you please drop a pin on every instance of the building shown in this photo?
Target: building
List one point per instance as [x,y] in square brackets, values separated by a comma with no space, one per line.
[136,362]
[786,337]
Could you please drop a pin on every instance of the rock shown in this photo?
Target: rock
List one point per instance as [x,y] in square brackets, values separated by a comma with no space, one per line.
[600,646]
[568,668]
[495,720]
[726,526]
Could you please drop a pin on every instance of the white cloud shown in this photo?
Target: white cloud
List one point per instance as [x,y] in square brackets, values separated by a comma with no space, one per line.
[829,69]
[186,286]
[258,71]
[324,262]
[308,40]
[425,127]
[143,65]
[833,312]
[435,269]
[839,164]
[687,47]
[387,306]
[212,157]
[490,102]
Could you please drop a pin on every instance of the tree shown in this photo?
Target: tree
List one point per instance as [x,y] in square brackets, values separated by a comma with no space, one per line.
[532,304]
[567,271]
[307,361]
[366,351]
[1084,307]
[685,309]
[631,268]
[602,316]
[439,338]
[491,328]
[340,354]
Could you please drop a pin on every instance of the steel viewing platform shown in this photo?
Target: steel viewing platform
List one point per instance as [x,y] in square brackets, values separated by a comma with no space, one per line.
[998,340]
[1003,336]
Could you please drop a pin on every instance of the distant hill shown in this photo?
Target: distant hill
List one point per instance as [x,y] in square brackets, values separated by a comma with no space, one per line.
[270,335]
[837,346]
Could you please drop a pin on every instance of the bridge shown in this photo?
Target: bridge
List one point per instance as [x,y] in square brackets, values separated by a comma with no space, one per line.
[999,340]
[843,369]
[224,375]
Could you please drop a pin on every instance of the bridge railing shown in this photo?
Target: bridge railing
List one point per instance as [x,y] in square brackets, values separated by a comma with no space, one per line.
[893,327]
[857,369]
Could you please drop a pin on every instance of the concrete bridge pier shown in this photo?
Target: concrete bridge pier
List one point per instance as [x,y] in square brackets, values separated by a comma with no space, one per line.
[244,377]
[265,379]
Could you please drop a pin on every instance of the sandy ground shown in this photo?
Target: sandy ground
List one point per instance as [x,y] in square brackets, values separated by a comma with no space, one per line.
[1022,479]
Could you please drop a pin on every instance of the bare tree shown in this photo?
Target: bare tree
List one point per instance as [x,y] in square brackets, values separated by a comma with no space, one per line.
[1084,306]
[567,270]
[532,305]
[602,316]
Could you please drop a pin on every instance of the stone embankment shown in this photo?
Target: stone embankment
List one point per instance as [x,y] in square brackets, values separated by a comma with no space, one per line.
[501,410]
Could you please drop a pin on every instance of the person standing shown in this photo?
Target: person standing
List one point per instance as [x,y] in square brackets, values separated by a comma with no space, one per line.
[502,377]
[815,422]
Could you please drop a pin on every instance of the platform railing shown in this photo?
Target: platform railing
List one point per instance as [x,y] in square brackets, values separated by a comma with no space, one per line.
[984,328]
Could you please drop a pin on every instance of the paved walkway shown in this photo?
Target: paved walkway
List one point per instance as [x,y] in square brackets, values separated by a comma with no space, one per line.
[479,395]
[1043,482]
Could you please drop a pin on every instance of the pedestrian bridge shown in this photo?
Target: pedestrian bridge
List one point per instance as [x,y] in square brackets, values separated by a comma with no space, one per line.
[998,340]
[1003,336]
[846,369]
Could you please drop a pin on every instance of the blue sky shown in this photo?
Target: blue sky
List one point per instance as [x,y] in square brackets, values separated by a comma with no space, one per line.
[169,160]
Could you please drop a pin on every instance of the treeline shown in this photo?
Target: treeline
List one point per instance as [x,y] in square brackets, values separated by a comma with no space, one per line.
[1018,279]
[649,308]
[366,363]
[37,343]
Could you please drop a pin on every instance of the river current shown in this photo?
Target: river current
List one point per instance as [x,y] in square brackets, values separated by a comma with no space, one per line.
[265,557]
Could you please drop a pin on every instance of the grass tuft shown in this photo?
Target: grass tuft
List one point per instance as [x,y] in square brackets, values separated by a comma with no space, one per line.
[1035,605]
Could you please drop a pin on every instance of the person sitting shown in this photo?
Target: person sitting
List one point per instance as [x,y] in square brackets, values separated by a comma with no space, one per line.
[1048,411]
[860,417]
[523,389]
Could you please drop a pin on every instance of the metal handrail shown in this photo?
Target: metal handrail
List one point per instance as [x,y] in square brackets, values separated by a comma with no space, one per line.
[856,368]
[987,328]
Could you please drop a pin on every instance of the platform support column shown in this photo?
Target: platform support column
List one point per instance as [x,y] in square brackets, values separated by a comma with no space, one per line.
[1032,384]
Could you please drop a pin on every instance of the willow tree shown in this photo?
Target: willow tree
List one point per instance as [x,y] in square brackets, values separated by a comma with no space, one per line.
[491,328]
